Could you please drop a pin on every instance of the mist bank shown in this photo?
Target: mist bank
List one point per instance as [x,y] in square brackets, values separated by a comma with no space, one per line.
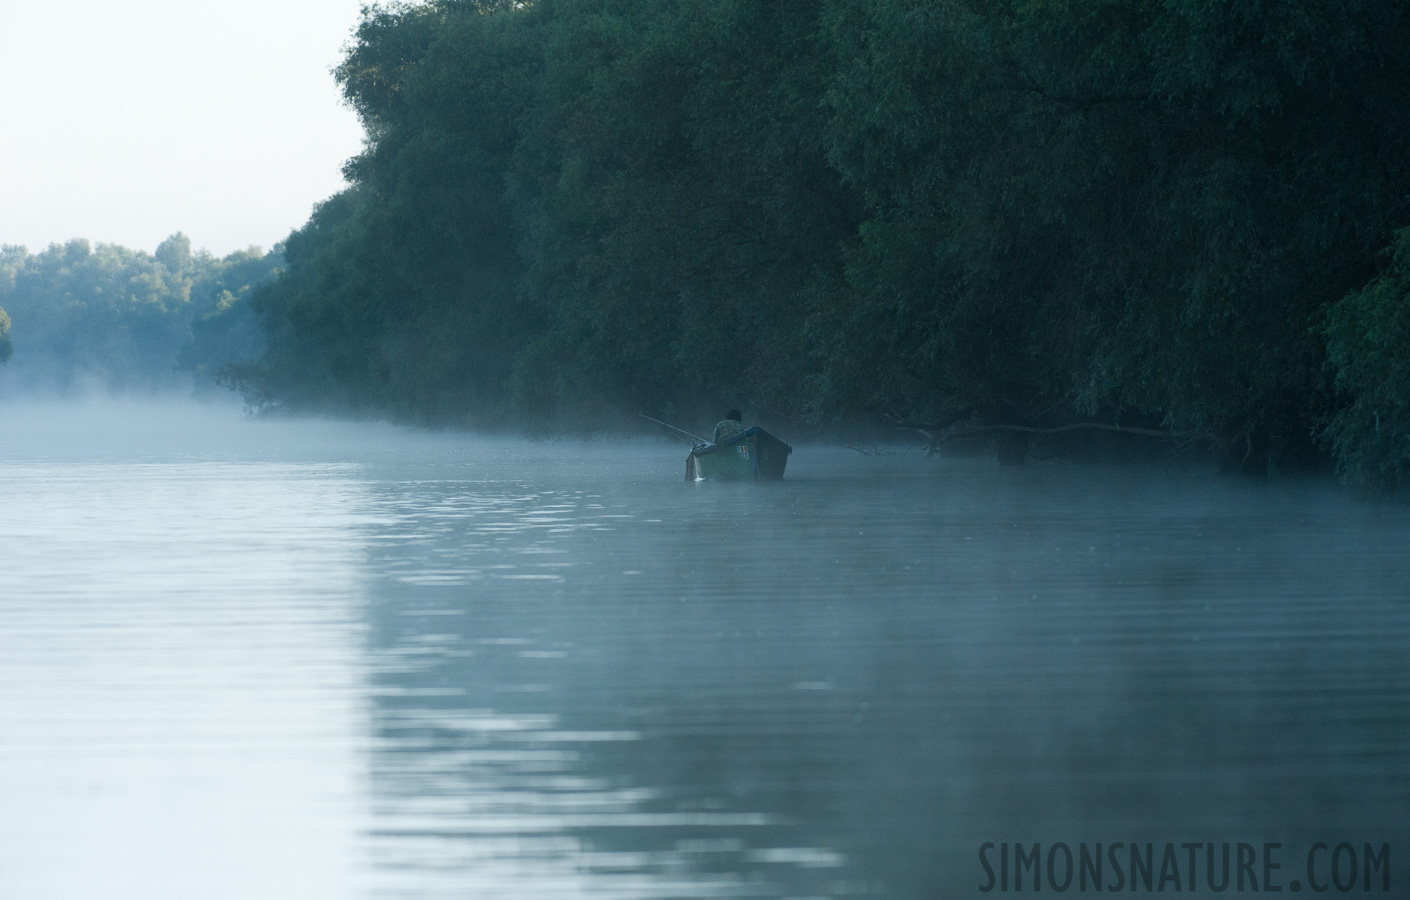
[1180,218]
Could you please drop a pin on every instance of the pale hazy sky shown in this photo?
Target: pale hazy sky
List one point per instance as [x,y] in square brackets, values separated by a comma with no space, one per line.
[126,122]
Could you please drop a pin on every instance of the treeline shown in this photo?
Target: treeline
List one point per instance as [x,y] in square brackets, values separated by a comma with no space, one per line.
[1180,216]
[76,317]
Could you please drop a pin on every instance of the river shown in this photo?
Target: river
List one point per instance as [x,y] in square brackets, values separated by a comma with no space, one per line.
[317,660]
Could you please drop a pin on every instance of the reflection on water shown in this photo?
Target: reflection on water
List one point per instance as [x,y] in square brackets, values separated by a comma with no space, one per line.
[181,708]
[401,666]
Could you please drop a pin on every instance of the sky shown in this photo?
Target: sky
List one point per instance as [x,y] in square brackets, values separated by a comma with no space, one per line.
[126,122]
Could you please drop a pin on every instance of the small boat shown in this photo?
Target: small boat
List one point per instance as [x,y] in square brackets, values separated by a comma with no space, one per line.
[750,455]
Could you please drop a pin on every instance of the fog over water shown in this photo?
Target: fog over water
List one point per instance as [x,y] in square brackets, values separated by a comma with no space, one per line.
[303,659]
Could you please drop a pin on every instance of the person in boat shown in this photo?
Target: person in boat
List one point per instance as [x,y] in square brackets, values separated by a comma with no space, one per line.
[732,425]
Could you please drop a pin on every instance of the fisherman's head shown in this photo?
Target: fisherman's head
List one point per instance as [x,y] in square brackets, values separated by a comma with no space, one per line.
[734,414]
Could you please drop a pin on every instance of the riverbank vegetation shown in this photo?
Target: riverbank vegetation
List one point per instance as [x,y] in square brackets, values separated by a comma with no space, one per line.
[113,319]
[1031,218]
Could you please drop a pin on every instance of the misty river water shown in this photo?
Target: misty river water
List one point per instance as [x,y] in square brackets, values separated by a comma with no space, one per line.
[312,660]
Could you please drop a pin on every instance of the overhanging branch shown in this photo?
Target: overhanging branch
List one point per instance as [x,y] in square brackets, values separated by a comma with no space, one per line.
[940,434]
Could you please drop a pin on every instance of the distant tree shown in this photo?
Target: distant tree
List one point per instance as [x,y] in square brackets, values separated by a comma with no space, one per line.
[6,347]
[11,258]
[105,315]
[224,329]
[175,252]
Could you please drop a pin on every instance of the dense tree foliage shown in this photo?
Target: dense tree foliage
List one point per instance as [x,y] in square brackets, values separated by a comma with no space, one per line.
[1165,213]
[678,205]
[1148,203]
[402,293]
[1368,337]
[566,209]
[118,319]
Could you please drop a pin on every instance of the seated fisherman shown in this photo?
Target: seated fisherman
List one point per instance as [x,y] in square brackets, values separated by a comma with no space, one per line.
[730,426]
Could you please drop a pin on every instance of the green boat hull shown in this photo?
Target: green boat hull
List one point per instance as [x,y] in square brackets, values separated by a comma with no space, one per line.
[753,455]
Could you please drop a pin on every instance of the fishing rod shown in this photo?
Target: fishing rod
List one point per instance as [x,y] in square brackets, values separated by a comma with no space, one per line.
[694,437]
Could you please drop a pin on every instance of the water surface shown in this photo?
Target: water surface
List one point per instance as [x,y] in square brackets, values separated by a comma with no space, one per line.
[307,660]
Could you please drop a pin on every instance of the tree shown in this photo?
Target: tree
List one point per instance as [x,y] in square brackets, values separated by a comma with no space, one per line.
[175,253]
[107,316]
[678,205]
[1368,346]
[1028,216]
[400,295]
[1111,209]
